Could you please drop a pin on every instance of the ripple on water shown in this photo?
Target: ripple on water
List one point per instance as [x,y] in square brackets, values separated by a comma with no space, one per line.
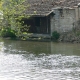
[41,67]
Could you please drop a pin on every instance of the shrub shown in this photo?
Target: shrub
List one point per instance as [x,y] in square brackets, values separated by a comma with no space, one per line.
[8,33]
[55,36]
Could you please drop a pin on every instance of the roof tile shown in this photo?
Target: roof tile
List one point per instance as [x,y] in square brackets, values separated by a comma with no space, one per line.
[43,7]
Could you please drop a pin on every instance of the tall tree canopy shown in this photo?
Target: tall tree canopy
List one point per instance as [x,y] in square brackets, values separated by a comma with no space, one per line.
[13,12]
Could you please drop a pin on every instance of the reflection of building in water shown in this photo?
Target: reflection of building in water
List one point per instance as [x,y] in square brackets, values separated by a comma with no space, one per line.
[39,47]
[61,48]
[65,49]
[21,47]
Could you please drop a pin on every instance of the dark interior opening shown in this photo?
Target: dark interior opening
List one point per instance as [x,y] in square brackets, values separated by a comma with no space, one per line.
[39,25]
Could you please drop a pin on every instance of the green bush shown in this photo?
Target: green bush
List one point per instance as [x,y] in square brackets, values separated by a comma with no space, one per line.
[55,36]
[8,33]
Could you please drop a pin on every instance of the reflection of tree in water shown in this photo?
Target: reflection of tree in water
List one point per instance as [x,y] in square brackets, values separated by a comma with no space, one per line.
[17,47]
[27,46]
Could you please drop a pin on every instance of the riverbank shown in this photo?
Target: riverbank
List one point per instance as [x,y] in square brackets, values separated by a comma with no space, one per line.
[72,37]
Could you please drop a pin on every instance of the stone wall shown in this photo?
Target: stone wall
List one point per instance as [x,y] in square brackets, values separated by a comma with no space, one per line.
[63,20]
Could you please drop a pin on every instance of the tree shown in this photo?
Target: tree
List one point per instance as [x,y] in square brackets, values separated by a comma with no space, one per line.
[13,13]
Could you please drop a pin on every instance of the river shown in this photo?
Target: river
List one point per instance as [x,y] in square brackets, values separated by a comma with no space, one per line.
[31,60]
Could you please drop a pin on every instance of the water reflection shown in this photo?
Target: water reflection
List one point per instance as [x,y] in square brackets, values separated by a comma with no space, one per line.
[41,47]
[25,60]
[31,47]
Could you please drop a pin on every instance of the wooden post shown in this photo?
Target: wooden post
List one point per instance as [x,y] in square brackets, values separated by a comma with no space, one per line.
[47,24]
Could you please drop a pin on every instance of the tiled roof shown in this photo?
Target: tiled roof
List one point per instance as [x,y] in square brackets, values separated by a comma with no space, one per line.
[44,7]
[68,3]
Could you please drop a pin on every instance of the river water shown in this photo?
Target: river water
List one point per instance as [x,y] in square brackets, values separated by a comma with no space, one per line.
[27,60]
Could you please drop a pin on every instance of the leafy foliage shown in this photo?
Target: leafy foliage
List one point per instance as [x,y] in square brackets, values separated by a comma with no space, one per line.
[13,13]
[8,33]
[55,35]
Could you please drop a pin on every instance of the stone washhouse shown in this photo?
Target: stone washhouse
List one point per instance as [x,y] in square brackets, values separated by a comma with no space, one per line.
[48,16]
